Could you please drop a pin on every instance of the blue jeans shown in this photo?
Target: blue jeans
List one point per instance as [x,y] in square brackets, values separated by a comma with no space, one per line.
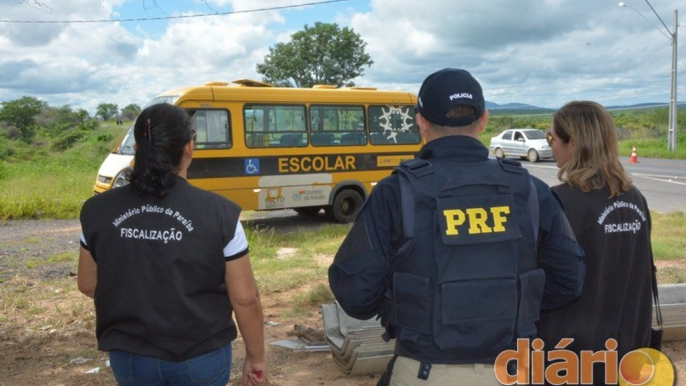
[211,369]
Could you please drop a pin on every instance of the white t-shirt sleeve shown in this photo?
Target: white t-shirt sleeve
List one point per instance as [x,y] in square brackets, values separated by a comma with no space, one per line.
[238,246]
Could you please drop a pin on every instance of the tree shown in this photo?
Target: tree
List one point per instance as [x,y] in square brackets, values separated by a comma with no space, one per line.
[21,113]
[107,111]
[323,54]
[130,112]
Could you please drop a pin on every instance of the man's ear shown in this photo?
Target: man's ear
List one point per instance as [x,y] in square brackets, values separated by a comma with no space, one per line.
[422,124]
[483,121]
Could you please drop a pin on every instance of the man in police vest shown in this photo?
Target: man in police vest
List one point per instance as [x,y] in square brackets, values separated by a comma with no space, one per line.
[455,252]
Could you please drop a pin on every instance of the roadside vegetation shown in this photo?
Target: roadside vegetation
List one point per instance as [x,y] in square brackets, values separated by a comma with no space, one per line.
[53,175]
[49,156]
[644,128]
[49,171]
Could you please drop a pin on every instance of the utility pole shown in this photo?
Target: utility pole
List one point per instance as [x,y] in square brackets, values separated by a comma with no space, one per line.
[672,134]
[673,106]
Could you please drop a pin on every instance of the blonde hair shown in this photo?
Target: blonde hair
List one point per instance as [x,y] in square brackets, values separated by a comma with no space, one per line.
[595,159]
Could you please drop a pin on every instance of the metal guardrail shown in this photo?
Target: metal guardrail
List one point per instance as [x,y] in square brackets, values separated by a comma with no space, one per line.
[673,305]
[357,347]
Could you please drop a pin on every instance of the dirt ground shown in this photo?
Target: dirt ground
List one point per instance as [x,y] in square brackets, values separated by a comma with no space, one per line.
[50,340]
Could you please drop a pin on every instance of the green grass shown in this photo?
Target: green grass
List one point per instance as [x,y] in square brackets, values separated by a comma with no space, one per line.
[276,273]
[652,148]
[37,183]
[62,257]
[669,236]
[58,258]
[312,299]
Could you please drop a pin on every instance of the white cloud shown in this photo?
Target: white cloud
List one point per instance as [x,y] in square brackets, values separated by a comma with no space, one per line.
[109,64]
[542,52]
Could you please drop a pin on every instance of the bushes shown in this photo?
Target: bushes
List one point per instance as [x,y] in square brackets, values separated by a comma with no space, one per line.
[67,140]
[52,180]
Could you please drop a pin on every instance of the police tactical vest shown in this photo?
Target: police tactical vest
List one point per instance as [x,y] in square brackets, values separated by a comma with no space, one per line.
[468,283]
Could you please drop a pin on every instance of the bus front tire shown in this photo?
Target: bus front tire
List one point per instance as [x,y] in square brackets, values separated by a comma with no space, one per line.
[308,210]
[345,206]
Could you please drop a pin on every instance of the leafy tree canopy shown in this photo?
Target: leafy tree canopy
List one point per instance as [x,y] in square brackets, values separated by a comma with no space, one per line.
[130,112]
[21,113]
[107,111]
[323,54]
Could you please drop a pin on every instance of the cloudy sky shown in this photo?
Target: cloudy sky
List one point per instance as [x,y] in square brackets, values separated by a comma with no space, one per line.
[540,52]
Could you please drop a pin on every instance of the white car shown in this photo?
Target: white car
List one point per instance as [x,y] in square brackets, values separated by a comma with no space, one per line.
[525,143]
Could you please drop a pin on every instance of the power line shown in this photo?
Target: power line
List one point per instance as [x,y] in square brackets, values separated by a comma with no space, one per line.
[658,16]
[169,17]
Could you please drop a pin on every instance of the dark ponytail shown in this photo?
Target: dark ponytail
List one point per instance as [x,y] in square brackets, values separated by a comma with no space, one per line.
[161,132]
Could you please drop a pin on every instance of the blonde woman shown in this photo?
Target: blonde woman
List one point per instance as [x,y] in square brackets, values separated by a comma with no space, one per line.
[611,220]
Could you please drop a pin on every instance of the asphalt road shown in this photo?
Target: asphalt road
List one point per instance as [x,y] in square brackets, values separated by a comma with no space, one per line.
[662,181]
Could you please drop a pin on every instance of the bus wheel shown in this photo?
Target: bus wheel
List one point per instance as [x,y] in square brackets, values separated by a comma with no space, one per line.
[307,210]
[345,206]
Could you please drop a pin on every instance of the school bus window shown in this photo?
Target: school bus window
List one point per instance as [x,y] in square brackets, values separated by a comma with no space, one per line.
[275,126]
[211,128]
[162,99]
[393,125]
[337,125]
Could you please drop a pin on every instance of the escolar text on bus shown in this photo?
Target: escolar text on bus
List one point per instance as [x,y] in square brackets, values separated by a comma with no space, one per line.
[316,164]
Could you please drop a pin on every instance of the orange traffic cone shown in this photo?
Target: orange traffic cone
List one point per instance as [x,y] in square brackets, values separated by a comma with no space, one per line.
[634,158]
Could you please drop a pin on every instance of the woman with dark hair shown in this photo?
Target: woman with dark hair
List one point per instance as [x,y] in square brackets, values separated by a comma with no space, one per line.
[611,221]
[167,264]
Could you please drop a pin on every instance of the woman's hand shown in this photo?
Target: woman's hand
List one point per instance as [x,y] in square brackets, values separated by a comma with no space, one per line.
[254,373]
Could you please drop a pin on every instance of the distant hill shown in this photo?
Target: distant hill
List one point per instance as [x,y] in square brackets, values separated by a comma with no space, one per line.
[516,109]
[523,108]
[644,106]
[511,106]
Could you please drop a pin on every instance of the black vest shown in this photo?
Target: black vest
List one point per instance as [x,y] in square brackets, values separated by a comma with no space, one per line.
[161,288]
[469,284]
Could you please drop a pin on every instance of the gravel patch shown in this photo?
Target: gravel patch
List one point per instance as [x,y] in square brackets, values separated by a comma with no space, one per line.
[41,249]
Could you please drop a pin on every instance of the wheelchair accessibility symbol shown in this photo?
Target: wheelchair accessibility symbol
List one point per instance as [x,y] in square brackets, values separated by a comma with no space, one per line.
[252,166]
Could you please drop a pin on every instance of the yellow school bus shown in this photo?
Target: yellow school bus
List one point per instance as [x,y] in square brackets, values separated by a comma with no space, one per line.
[269,148]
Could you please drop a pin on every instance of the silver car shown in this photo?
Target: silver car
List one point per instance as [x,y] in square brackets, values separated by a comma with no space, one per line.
[525,143]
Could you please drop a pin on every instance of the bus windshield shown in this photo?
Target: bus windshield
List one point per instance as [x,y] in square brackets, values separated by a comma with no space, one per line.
[126,147]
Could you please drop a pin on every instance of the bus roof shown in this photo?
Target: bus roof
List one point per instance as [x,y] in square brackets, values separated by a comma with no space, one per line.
[246,90]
